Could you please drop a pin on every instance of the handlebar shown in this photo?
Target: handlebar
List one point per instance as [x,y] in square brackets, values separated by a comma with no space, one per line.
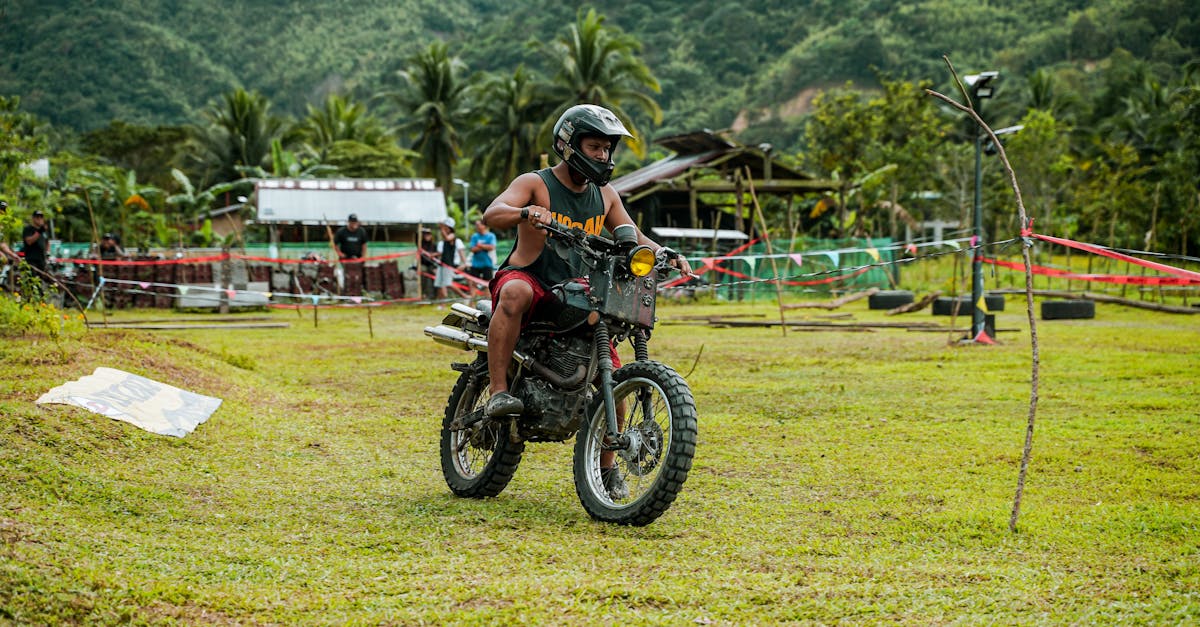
[598,246]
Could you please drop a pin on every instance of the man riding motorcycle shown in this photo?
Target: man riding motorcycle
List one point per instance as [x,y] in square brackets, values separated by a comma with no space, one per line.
[575,192]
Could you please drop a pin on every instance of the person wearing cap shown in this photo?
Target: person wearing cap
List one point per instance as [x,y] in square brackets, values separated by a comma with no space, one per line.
[351,239]
[37,243]
[110,248]
[452,255]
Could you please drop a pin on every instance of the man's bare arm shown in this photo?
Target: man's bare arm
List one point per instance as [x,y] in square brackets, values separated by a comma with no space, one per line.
[518,200]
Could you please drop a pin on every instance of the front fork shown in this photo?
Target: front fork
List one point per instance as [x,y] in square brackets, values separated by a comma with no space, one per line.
[616,441]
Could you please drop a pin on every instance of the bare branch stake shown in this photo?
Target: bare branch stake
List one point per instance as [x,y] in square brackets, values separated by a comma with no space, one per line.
[1033,335]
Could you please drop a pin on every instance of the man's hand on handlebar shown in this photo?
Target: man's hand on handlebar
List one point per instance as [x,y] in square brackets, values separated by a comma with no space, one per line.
[677,261]
[536,215]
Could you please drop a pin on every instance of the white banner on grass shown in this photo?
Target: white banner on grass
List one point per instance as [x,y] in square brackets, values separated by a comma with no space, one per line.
[153,406]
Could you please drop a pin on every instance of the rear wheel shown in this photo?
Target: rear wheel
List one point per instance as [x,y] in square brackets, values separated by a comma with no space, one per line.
[659,422]
[480,460]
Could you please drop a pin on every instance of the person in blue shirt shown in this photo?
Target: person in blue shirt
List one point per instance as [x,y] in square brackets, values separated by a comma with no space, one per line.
[483,247]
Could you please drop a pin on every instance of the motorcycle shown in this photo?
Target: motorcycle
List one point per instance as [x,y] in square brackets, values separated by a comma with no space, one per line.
[635,428]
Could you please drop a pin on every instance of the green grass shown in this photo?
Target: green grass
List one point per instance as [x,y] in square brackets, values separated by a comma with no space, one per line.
[839,477]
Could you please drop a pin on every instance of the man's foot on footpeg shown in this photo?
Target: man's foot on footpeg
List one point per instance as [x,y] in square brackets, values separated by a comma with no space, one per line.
[503,404]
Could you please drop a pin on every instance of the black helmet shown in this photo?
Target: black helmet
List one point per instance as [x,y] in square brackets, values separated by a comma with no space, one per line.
[587,120]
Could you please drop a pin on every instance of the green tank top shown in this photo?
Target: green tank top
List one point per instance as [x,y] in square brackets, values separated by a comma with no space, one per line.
[584,210]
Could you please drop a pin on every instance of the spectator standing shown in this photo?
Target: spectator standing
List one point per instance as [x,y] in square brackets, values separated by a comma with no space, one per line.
[483,246]
[351,240]
[452,255]
[37,242]
[110,248]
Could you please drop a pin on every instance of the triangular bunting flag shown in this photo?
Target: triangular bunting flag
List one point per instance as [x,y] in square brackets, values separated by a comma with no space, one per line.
[982,305]
[873,253]
[833,256]
[267,295]
[911,249]
[230,293]
[183,289]
[798,258]
[952,244]
[143,284]
[983,338]
[357,300]
[315,298]
[974,240]
[752,262]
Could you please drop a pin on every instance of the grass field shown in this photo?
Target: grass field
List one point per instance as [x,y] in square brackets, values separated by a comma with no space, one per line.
[858,477]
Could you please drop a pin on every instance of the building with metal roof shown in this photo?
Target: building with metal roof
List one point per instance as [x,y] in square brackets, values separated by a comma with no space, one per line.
[709,174]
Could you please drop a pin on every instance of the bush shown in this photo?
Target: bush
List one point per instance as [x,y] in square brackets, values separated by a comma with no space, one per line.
[27,311]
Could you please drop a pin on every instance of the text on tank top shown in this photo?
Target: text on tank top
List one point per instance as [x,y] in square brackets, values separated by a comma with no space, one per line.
[583,210]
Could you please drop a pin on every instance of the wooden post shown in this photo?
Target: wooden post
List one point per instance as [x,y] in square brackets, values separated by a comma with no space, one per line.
[767,238]
[693,211]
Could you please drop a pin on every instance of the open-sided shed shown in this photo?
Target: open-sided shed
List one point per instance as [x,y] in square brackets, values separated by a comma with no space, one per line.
[708,173]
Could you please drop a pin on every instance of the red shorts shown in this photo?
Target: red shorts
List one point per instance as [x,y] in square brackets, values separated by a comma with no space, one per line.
[540,297]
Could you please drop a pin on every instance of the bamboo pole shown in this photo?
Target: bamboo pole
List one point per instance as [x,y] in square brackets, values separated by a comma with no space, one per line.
[770,254]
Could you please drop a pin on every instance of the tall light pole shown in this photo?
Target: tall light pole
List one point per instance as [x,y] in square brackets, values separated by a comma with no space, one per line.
[466,186]
[981,88]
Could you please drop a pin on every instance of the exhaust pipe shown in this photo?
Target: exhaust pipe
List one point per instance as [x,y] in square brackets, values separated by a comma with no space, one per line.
[465,341]
[457,338]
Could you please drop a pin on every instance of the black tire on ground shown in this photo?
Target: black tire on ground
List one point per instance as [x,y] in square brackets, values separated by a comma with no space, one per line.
[1068,310]
[889,299]
[944,306]
[479,461]
[660,417]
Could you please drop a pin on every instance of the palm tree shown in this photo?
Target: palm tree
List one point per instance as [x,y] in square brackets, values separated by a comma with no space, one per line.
[193,205]
[596,64]
[114,196]
[345,136]
[512,111]
[434,100]
[238,134]
[340,119]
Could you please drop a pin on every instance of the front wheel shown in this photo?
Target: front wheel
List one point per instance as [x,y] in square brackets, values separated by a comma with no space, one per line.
[657,416]
[480,460]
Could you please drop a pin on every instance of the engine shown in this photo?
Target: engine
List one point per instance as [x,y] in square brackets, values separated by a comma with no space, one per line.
[557,413]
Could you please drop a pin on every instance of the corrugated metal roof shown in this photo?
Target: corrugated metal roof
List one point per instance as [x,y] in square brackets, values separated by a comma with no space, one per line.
[700,148]
[662,169]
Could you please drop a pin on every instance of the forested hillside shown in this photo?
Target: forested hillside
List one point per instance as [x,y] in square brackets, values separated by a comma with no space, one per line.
[155,113]
[84,64]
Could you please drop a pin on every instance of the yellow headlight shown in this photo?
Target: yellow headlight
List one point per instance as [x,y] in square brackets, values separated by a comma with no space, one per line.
[641,261]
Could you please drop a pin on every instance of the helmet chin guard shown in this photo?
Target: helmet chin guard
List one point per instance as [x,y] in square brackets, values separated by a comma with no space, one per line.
[583,121]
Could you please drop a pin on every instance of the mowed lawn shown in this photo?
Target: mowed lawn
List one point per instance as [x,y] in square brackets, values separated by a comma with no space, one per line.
[840,476]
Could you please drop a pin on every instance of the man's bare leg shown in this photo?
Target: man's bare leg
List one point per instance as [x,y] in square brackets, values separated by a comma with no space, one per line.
[515,298]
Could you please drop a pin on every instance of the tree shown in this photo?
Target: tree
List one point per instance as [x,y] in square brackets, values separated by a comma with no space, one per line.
[1040,155]
[512,110]
[237,133]
[115,196]
[340,119]
[22,140]
[433,98]
[193,205]
[595,64]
